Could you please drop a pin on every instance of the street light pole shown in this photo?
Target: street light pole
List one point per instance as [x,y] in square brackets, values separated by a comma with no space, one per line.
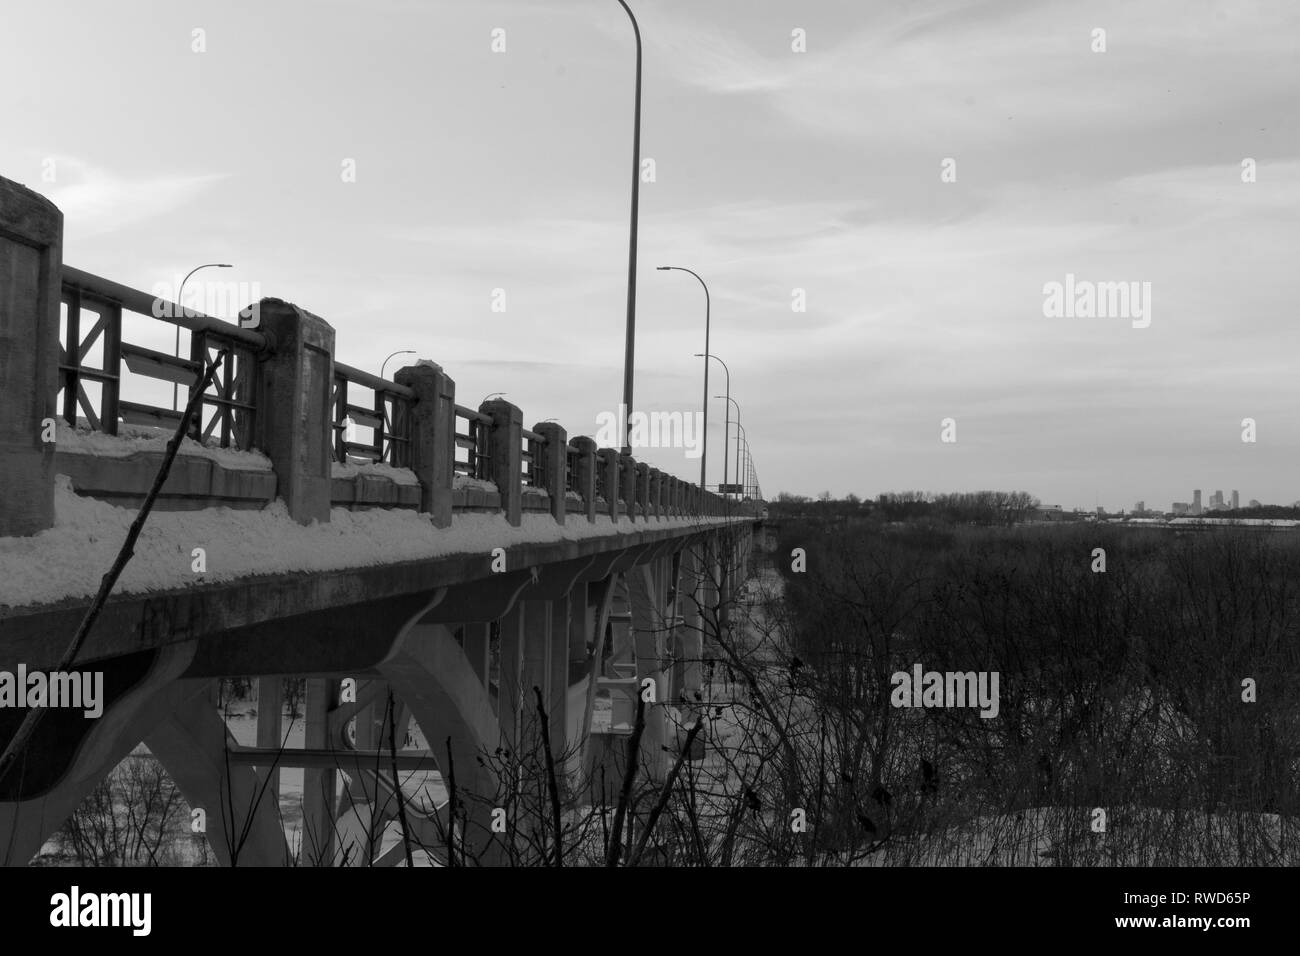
[738,431]
[726,424]
[704,453]
[740,435]
[180,296]
[630,335]
[725,449]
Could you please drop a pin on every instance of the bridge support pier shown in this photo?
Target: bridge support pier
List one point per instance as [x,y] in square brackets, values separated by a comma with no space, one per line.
[319,787]
[243,814]
[648,646]
[478,650]
[537,670]
[26,823]
[432,675]
[557,697]
[270,725]
[370,803]
[509,681]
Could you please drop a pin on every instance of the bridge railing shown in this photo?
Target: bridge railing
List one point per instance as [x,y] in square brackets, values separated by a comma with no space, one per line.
[96,365]
[96,353]
[387,417]
[602,477]
[572,455]
[473,452]
[534,448]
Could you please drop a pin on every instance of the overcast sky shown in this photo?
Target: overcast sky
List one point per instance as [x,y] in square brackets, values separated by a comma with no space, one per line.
[775,170]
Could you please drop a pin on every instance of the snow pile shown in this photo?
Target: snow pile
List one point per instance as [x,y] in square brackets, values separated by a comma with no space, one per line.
[68,560]
[374,469]
[134,438]
[466,483]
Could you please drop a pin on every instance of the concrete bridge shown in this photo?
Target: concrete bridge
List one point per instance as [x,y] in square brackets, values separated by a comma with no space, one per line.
[372,536]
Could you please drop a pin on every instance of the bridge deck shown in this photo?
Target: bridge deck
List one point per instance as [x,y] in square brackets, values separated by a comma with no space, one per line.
[263,566]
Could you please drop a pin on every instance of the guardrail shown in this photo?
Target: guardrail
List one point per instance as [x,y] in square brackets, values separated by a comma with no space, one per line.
[472,439]
[486,444]
[387,416]
[90,320]
[80,347]
[531,455]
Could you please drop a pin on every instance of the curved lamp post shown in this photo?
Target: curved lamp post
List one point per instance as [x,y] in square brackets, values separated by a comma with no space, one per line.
[740,436]
[398,352]
[704,454]
[630,335]
[738,433]
[726,424]
[180,296]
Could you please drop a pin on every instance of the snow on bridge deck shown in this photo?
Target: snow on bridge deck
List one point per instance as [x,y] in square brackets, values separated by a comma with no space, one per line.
[69,560]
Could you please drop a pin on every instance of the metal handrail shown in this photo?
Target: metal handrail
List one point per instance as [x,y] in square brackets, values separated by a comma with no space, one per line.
[472,415]
[373,382]
[136,301]
[142,302]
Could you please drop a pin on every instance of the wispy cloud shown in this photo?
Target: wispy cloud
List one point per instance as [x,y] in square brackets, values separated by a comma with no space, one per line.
[96,201]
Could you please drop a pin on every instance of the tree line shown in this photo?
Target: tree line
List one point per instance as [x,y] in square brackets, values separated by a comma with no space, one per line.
[960,507]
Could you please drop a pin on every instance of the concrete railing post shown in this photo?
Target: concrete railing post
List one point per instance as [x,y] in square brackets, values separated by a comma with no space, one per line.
[31,285]
[505,443]
[585,481]
[643,489]
[433,437]
[627,484]
[295,416]
[608,458]
[656,492]
[555,462]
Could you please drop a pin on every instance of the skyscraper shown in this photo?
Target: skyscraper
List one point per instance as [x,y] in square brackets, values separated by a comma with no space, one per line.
[1234,499]
[1196,501]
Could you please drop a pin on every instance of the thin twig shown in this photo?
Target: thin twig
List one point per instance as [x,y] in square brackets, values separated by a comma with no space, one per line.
[551,784]
[397,780]
[665,793]
[634,750]
[34,714]
[451,809]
